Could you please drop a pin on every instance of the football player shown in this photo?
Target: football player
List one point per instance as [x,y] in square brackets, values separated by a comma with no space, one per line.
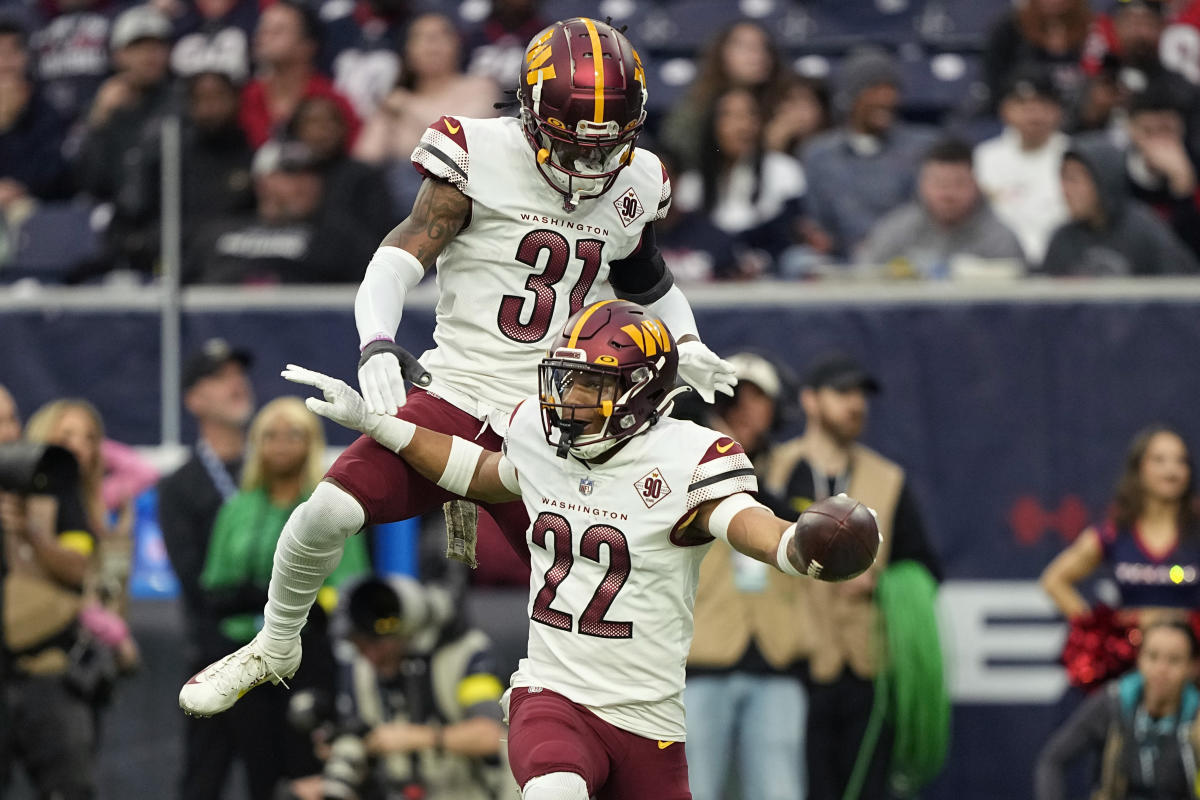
[527,220]
[624,500]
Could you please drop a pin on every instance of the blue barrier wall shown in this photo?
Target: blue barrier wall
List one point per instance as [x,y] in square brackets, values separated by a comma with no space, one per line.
[1012,418]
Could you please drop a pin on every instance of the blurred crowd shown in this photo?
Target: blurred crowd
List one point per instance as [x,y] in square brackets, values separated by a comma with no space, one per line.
[1057,136]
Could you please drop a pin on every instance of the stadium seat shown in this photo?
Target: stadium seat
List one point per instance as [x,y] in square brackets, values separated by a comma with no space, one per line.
[686,26]
[959,24]
[938,83]
[835,25]
[55,239]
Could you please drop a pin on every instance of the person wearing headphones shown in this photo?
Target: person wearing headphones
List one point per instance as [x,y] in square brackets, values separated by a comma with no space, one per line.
[417,709]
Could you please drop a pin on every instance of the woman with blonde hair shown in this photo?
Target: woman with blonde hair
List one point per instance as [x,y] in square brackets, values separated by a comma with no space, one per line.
[76,424]
[284,462]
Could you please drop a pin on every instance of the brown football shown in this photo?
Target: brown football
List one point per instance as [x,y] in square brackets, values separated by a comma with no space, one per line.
[837,538]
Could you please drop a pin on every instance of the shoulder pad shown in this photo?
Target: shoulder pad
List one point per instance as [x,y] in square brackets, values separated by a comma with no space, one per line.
[442,153]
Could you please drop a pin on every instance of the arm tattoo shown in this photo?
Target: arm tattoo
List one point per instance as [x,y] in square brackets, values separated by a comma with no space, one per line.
[438,214]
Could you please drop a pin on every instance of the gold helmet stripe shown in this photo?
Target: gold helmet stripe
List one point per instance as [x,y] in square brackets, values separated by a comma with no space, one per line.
[598,66]
[578,329]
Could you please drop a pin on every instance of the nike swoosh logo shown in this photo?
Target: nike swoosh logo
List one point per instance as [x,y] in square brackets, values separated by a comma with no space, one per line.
[452,127]
[726,448]
[664,745]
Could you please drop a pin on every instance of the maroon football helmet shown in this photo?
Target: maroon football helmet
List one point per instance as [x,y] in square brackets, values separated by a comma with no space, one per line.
[583,105]
[613,358]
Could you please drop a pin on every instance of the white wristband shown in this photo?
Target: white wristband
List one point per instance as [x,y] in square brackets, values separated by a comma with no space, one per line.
[508,475]
[781,559]
[460,466]
[722,516]
[393,433]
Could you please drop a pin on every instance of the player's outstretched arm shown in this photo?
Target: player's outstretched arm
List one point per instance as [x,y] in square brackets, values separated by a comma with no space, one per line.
[399,264]
[751,528]
[455,464]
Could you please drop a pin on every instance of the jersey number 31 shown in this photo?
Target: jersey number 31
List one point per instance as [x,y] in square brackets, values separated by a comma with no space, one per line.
[542,284]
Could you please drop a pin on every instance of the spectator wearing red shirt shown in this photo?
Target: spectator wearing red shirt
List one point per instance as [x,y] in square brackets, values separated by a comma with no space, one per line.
[285,48]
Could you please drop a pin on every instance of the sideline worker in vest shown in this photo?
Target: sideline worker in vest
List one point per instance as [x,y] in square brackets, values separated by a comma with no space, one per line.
[745,703]
[826,460]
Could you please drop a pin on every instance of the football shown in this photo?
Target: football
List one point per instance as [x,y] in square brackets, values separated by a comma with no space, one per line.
[837,538]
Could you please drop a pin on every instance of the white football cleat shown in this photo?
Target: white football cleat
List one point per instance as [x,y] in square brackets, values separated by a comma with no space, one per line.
[221,684]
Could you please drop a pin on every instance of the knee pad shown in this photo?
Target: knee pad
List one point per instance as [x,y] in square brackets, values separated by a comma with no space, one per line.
[329,516]
[555,786]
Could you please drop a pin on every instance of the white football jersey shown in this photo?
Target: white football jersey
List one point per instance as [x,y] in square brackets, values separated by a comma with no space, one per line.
[611,589]
[522,265]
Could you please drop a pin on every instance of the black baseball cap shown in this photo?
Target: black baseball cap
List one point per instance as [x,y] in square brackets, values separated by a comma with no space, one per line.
[208,360]
[374,609]
[841,371]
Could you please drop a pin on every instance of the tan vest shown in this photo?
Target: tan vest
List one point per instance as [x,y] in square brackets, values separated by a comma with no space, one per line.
[778,619]
[849,618]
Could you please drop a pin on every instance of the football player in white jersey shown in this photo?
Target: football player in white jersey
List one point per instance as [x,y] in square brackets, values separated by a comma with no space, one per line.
[527,220]
[624,500]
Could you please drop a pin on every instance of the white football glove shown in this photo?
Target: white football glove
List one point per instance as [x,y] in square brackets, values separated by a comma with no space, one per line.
[342,404]
[705,371]
[381,372]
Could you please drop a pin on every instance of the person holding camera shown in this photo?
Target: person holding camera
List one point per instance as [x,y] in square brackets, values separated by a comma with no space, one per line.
[48,553]
[417,710]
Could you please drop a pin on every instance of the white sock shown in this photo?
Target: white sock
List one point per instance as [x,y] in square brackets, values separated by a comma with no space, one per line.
[309,549]
[555,786]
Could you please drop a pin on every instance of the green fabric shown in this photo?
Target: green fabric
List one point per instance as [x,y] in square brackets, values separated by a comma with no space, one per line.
[919,700]
[911,688]
[242,550]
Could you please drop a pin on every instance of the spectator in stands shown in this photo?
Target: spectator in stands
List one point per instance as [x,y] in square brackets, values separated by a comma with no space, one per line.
[217,392]
[214,36]
[284,463]
[71,54]
[743,55]
[49,546]
[1160,171]
[1153,521]
[441,735]
[497,46]
[748,192]
[215,163]
[800,115]
[121,129]
[867,167]
[1109,232]
[1018,171]
[128,103]
[31,131]
[745,703]
[431,84]
[359,47]
[355,191]
[826,460]
[286,240]
[1143,728]
[948,223]
[1044,34]
[286,43]
[1128,62]
[216,156]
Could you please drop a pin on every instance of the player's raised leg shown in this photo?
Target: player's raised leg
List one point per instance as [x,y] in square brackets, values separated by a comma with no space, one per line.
[368,482]
[309,549]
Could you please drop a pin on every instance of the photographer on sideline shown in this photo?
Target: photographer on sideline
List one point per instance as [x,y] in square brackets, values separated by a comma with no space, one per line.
[48,550]
[417,712]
